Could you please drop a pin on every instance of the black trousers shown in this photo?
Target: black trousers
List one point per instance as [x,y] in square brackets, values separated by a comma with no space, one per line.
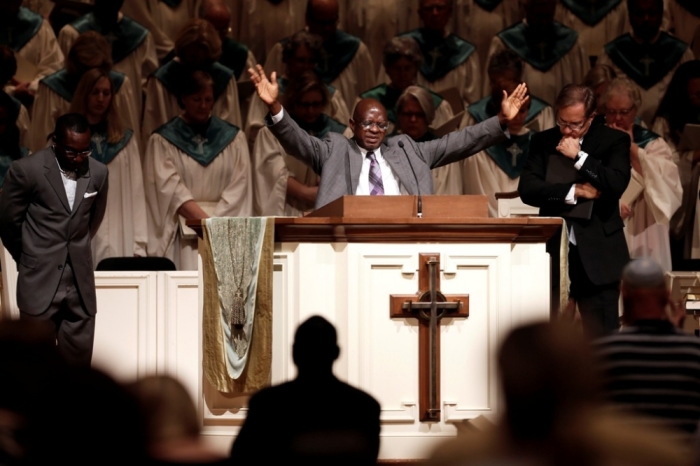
[68,317]
[598,304]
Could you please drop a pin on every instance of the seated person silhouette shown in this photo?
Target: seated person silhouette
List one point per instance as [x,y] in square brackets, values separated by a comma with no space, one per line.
[293,423]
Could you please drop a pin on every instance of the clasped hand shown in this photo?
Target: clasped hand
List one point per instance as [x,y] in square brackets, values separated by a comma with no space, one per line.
[569,147]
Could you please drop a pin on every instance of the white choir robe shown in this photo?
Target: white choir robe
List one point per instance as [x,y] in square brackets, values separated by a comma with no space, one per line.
[650,97]
[466,78]
[161,106]
[171,178]
[138,65]
[357,77]
[647,228]
[260,24]
[24,124]
[272,166]
[544,120]
[123,232]
[163,22]
[337,109]
[377,22]
[478,26]
[682,23]
[42,51]
[48,106]
[594,38]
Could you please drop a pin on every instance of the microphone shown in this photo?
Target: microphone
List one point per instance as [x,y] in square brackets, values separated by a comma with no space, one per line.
[419,209]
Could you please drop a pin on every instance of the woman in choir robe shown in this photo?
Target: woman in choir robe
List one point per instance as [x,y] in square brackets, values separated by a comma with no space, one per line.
[497,169]
[123,229]
[197,165]
[654,192]
[679,107]
[300,54]
[284,185]
[198,47]
[402,60]
[56,91]
[10,148]
[415,115]
[598,79]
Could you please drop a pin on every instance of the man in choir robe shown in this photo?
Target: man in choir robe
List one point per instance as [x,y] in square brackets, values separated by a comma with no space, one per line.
[597,247]
[448,60]
[552,53]
[647,56]
[52,203]
[647,215]
[198,47]
[377,22]
[300,54]
[133,49]
[402,59]
[684,18]
[31,37]
[478,21]
[370,165]
[163,18]
[260,24]
[345,64]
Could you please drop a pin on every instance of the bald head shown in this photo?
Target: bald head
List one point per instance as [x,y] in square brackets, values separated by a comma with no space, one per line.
[322,17]
[218,14]
[643,290]
[369,123]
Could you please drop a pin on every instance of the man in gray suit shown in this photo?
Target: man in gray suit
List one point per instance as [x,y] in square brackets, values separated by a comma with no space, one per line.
[368,164]
[52,203]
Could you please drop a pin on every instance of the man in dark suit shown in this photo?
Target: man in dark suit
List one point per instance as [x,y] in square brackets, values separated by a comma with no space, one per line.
[51,204]
[597,247]
[291,423]
[368,164]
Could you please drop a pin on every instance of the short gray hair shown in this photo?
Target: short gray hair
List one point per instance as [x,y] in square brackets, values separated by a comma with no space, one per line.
[623,86]
[424,98]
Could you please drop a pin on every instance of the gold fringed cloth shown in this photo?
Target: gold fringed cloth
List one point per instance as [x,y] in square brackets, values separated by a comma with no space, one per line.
[237,358]
[564,281]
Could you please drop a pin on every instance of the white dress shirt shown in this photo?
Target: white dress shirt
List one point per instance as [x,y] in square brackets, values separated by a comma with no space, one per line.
[70,184]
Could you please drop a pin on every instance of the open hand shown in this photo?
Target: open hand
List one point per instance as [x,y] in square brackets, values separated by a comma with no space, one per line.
[268,90]
[510,105]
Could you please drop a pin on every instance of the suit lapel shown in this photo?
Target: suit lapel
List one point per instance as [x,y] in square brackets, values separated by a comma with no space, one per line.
[80,191]
[399,165]
[591,139]
[355,161]
[53,175]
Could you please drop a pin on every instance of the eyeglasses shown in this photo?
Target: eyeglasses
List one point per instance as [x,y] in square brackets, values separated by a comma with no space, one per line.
[622,113]
[573,126]
[72,153]
[380,126]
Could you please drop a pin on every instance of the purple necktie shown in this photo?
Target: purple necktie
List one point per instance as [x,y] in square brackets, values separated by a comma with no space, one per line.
[376,187]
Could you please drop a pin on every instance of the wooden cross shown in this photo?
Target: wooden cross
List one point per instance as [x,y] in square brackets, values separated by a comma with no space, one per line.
[646,61]
[515,151]
[429,306]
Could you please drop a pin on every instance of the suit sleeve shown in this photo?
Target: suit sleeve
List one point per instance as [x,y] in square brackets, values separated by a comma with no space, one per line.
[533,188]
[100,205]
[14,202]
[610,173]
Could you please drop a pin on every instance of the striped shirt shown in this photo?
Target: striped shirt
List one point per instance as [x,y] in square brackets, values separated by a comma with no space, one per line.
[654,369]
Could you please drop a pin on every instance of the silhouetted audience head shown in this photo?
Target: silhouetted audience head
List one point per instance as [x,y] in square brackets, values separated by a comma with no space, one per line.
[415,112]
[315,346]
[644,291]
[198,45]
[402,60]
[681,103]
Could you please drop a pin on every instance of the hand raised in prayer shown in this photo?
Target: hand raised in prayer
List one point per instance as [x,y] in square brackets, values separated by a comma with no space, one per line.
[268,90]
[510,105]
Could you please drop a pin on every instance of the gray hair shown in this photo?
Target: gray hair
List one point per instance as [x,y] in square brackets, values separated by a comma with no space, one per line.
[402,47]
[623,86]
[424,98]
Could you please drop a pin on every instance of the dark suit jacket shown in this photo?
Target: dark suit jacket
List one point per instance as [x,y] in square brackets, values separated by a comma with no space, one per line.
[309,422]
[39,229]
[338,160]
[600,240]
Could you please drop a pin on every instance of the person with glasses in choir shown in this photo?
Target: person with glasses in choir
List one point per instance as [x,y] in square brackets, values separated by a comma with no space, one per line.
[51,205]
[123,230]
[369,164]
[647,213]
[597,157]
